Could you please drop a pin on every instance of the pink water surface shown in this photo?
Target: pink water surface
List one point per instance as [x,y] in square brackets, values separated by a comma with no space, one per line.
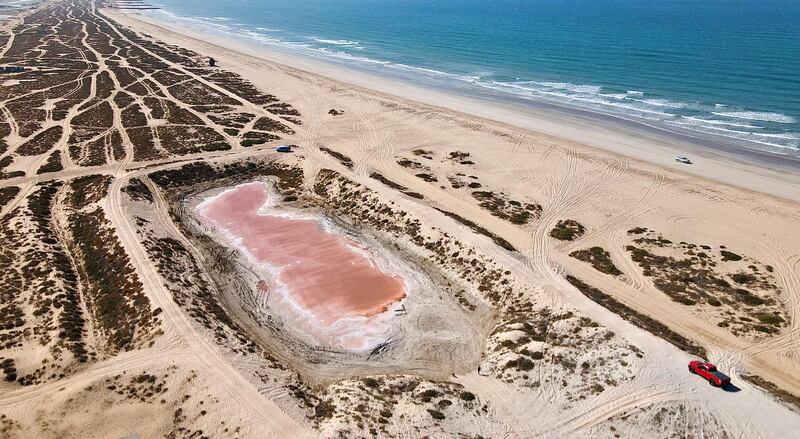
[324,272]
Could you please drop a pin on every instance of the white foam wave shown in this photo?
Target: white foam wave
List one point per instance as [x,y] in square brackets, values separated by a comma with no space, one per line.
[429,71]
[757,115]
[635,93]
[702,121]
[337,42]
[575,88]
[664,103]
[587,100]
[776,142]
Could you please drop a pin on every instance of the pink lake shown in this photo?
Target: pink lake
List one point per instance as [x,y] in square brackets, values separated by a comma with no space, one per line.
[329,276]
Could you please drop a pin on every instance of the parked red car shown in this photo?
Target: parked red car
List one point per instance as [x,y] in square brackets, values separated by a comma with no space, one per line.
[710,373]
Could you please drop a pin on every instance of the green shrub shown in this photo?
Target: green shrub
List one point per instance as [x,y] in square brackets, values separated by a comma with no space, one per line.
[770,319]
[598,258]
[567,230]
[730,256]
[436,414]
[250,142]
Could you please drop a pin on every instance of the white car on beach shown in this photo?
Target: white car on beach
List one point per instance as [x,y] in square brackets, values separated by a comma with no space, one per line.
[684,160]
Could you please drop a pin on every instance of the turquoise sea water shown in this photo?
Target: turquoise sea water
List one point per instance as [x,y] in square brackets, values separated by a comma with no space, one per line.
[725,69]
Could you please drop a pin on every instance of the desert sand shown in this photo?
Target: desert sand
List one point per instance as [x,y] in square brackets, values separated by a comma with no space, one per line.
[561,271]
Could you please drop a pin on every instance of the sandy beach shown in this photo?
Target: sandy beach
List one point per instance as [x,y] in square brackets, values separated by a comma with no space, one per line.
[760,172]
[554,263]
[733,200]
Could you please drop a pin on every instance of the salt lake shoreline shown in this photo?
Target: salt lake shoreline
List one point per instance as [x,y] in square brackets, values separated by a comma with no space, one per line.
[762,172]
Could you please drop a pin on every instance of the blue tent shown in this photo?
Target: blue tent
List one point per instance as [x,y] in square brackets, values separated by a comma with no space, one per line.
[284,148]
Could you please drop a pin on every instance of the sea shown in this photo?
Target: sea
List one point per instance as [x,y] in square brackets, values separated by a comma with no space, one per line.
[726,70]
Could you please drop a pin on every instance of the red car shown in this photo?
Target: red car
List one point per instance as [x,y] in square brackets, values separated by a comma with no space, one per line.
[710,373]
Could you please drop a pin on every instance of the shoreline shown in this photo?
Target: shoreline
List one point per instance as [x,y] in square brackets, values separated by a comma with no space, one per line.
[767,173]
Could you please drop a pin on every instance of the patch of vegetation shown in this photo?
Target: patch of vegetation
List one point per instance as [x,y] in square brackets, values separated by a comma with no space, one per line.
[190,290]
[7,194]
[137,190]
[411,164]
[478,229]
[788,398]
[35,269]
[121,309]
[290,178]
[520,363]
[252,141]
[324,410]
[436,414]
[343,159]
[730,256]
[387,182]
[461,158]
[500,206]
[743,278]
[9,371]
[770,319]
[455,182]
[744,302]
[404,190]
[599,258]
[53,163]
[638,319]
[88,189]
[567,230]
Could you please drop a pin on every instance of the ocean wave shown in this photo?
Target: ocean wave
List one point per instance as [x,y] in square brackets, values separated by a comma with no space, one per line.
[722,122]
[337,42]
[635,93]
[581,99]
[575,88]
[407,67]
[665,103]
[757,115]
[347,56]
[776,142]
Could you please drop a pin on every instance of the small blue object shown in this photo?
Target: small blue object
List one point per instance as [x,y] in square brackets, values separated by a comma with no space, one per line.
[283,148]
